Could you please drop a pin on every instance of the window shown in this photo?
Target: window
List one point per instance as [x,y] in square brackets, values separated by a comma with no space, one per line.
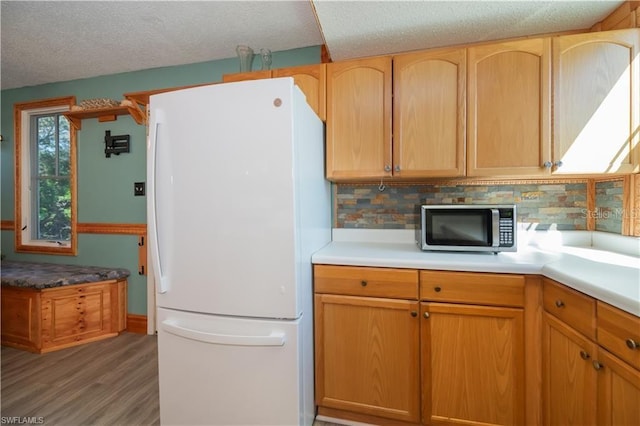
[45,218]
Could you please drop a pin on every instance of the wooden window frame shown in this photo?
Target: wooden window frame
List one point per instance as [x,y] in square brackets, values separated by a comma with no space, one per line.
[21,114]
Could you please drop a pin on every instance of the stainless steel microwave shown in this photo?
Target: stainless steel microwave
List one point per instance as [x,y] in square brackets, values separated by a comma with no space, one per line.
[463,227]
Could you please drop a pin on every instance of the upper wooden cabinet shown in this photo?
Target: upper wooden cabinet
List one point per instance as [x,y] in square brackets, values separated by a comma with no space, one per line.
[508,129]
[597,102]
[311,79]
[429,113]
[359,119]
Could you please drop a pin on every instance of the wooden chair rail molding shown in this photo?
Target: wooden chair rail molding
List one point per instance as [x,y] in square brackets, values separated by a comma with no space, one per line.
[139,229]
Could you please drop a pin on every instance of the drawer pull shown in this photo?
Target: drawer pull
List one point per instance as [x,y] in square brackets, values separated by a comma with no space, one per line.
[414,314]
[632,344]
[559,303]
[584,355]
[597,365]
[437,289]
[363,283]
[426,314]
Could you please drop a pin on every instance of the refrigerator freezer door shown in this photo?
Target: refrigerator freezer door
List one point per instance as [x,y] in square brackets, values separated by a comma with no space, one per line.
[221,198]
[228,371]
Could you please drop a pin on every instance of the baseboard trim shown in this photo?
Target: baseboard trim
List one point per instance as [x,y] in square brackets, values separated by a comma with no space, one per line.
[137,323]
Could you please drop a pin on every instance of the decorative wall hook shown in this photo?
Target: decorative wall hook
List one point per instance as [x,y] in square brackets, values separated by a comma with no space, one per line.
[115,144]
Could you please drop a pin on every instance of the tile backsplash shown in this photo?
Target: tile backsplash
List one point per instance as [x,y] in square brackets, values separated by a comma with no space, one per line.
[541,206]
[609,206]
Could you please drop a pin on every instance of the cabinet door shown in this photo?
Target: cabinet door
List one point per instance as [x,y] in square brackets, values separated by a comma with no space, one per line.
[429,113]
[311,79]
[596,102]
[509,108]
[618,391]
[367,356]
[359,119]
[568,376]
[472,365]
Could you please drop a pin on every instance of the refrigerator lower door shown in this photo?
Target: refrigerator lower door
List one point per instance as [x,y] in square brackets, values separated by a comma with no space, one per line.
[217,370]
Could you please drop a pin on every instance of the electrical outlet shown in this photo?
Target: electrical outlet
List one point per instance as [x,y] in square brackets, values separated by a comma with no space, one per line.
[138,188]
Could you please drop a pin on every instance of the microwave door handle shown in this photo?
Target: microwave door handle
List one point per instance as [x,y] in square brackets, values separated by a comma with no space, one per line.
[495,227]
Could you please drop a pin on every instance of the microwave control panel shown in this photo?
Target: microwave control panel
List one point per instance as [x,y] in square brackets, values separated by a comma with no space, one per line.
[506,228]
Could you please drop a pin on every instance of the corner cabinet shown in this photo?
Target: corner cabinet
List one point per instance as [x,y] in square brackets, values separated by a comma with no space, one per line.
[367,345]
[597,102]
[358,139]
[591,360]
[429,113]
[509,101]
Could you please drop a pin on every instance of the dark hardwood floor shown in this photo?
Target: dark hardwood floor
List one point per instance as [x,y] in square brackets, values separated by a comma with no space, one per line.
[111,382]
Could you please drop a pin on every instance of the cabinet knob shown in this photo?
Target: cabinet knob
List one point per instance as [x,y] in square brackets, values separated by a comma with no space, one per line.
[387,168]
[397,168]
[632,344]
[363,283]
[558,163]
[414,314]
[559,303]
[426,315]
[548,164]
[597,365]
[437,289]
[584,355]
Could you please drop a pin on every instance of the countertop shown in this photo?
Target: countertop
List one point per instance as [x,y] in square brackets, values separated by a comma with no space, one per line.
[602,265]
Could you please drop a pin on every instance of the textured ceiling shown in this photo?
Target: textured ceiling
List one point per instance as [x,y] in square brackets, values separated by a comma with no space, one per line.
[50,41]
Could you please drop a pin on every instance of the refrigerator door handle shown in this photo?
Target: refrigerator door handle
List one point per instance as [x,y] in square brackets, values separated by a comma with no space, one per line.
[161,281]
[276,338]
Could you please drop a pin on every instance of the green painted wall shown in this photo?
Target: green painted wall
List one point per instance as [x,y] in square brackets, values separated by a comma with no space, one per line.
[105,185]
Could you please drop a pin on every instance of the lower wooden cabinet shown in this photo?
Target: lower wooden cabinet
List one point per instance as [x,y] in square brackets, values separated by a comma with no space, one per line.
[569,379]
[367,356]
[618,391]
[472,364]
[584,383]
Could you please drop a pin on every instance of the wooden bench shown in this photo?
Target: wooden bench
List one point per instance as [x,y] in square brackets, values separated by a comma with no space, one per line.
[46,307]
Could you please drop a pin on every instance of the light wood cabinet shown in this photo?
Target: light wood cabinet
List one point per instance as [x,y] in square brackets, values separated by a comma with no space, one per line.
[569,379]
[367,346]
[508,131]
[311,79]
[584,382]
[472,356]
[429,113]
[597,102]
[358,133]
[618,391]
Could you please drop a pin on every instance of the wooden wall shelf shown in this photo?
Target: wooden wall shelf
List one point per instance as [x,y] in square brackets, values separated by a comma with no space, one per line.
[105,114]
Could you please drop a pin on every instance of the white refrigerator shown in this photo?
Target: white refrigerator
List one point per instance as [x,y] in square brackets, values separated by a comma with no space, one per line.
[237,204]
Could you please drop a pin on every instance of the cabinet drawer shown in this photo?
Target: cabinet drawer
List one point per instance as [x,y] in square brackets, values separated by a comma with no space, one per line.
[365,281]
[574,308]
[619,332]
[474,288]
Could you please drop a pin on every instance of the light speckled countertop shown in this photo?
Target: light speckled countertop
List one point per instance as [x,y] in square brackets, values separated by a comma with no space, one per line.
[604,266]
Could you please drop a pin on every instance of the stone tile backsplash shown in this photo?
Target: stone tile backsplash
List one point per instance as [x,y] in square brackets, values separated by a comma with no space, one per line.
[541,206]
[609,206]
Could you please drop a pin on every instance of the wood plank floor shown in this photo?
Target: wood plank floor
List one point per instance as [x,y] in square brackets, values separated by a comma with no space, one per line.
[111,382]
